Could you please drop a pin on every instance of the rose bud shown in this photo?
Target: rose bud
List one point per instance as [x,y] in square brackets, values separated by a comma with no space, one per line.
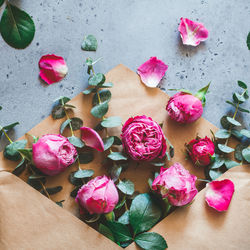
[201,151]
[176,185]
[52,154]
[143,139]
[184,107]
[98,196]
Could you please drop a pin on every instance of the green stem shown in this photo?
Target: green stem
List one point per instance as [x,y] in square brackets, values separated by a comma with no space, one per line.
[7,136]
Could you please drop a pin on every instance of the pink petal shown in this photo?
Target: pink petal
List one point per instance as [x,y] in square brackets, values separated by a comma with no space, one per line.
[52,68]
[219,194]
[152,71]
[92,139]
[192,33]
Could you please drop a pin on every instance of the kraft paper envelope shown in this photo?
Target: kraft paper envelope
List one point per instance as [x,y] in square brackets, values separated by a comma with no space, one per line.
[31,221]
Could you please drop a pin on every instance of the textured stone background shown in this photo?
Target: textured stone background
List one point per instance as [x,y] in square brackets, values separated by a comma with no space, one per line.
[128,32]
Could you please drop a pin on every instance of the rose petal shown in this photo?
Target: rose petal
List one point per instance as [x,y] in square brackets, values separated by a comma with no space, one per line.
[192,33]
[152,71]
[92,139]
[219,194]
[52,68]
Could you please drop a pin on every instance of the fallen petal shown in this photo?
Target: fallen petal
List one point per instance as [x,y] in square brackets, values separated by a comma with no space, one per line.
[52,68]
[192,33]
[92,139]
[219,194]
[152,71]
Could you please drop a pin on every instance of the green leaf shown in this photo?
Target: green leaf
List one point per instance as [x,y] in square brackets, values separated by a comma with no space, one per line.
[73,193]
[19,168]
[77,142]
[238,152]
[115,172]
[108,142]
[144,213]
[242,85]
[248,40]
[11,150]
[121,203]
[74,181]
[62,100]
[60,203]
[214,174]
[222,134]
[126,187]
[36,183]
[106,232]
[238,98]
[11,126]
[17,27]
[151,241]
[120,231]
[117,156]
[225,149]
[117,140]
[232,121]
[97,79]
[100,110]
[237,134]
[86,157]
[124,219]
[201,94]
[53,190]
[84,173]
[76,123]
[243,110]
[218,162]
[246,95]
[230,164]
[246,154]
[245,132]
[58,112]
[88,91]
[64,125]
[224,122]
[1,3]
[104,94]
[69,106]
[107,85]
[26,153]
[89,43]
[112,121]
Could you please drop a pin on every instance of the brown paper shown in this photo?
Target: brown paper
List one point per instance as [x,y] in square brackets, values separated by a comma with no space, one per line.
[129,97]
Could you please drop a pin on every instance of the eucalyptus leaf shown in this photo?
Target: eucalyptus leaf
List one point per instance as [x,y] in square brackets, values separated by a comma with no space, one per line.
[214,174]
[100,110]
[88,91]
[243,110]
[69,106]
[26,153]
[74,181]
[225,149]
[144,213]
[248,41]
[106,232]
[124,219]
[151,241]
[224,122]
[115,172]
[230,164]
[238,152]
[120,231]
[218,162]
[117,156]
[62,100]
[77,142]
[19,168]
[245,132]
[108,142]
[73,193]
[97,79]
[246,95]
[246,154]
[17,27]
[64,125]
[36,183]
[117,140]
[222,134]
[238,98]
[104,94]
[89,43]
[58,112]
[86,157]
[84,173]
[237,134]
[233,122]
[60,203]
[76,123]
[11,150]
[11,126]
[112,121]
[242,85]
[53,190]
[107,85]
[126,187]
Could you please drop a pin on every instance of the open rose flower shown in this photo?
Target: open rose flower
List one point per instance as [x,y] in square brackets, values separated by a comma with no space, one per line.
[98,196]
[192,33]
[176,185]
[52,154]
[143,139]
[152,71]
[219,194]
[52,68]
[201,151]
[92,139]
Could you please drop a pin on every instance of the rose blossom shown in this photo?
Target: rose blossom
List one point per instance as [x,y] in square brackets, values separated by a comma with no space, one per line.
[219,194]
[98,196]
[184,108]
[176,185]
[52,154]
[143,139]
[201,151]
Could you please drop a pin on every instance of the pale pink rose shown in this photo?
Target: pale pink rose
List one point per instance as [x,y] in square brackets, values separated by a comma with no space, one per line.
[98,196]
[92,139]
[52,68]
[184,108]
[192,33]
[219,194]
[176,185]
[52,154]
[143,139]
[152,71]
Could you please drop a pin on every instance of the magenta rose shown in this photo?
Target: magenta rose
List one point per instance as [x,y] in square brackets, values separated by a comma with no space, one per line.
[143,139]
[98,196]
[176,185]
[201,151]
[52,154]
[184,108]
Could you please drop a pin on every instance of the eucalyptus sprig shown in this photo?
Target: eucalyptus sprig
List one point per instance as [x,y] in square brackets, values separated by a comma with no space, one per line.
[231,128]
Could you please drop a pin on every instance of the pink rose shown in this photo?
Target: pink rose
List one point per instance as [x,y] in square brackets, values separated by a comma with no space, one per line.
[184,108]
[98,196]
[176,185]
[143,139]
[52,154]
[201,151]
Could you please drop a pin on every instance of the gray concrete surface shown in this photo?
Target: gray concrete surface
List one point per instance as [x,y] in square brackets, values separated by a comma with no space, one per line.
[128,32]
